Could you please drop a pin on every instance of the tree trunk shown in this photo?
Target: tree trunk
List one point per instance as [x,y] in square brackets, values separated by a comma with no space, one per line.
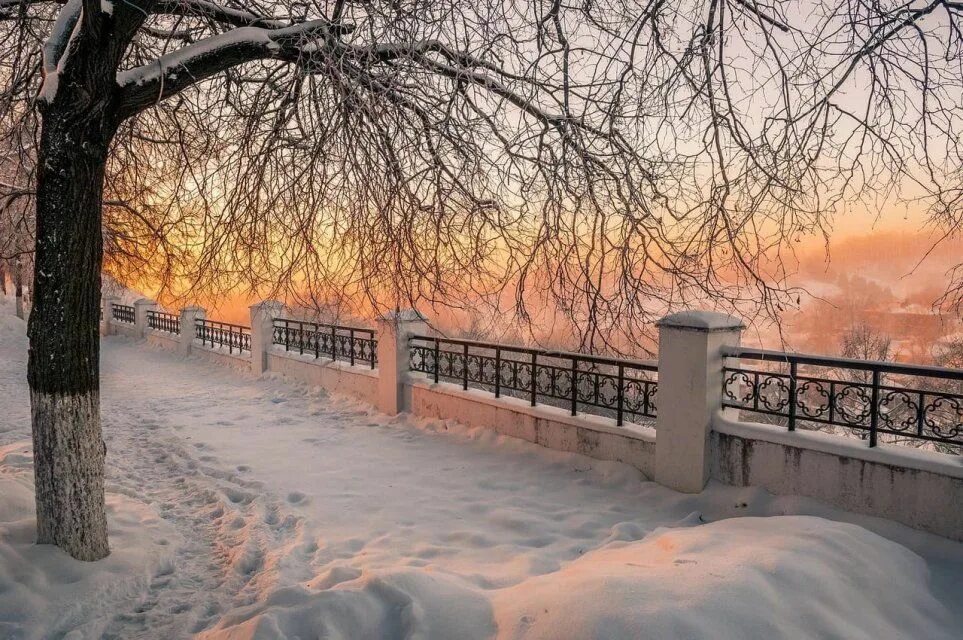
[64,355]
[3,279]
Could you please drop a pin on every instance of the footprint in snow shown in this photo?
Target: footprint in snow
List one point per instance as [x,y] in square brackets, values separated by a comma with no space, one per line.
[238,497]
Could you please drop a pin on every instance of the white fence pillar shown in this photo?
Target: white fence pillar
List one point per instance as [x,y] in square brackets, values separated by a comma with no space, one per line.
[103,316]
[262,332]
[393,332]
[690,392]
[141,307]
[188,316]
[108,302]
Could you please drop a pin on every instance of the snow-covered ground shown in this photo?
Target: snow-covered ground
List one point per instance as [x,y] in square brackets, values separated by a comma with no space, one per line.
[245,508]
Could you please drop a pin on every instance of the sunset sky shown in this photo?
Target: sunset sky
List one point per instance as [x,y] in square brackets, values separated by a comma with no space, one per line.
[878,270]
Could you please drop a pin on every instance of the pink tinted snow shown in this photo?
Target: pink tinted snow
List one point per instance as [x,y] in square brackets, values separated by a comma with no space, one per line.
[245,508]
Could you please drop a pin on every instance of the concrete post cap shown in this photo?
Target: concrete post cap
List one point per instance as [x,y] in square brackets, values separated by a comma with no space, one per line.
[144,301]
[194,309]
[701,321]
[271,305]
[404,315]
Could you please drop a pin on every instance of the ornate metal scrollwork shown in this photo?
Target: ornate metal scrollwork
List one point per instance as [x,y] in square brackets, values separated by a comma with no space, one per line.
[863,404]
[596,387]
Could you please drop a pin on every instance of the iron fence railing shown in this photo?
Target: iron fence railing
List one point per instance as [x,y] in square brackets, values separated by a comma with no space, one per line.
[123,313]
[338,342]
[904,402]
[233,336]
[160,321]
[605,386]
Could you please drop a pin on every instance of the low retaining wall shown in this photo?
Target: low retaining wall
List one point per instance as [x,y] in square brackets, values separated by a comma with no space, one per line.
[921,489]
[124,329]
[164,340]
[336,377]
[220,355]
[550,427]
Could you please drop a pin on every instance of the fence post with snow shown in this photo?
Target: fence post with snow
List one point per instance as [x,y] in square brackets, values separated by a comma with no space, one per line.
[263,315]
[108,306]
[394,329]
[189,316]
[141,307]
[690,384]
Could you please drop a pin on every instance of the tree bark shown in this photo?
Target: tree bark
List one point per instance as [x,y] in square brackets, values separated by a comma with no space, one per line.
[64,359]
[3,279]
[79,117]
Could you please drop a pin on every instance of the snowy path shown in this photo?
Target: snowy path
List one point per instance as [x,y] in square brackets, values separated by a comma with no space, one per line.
[254,508]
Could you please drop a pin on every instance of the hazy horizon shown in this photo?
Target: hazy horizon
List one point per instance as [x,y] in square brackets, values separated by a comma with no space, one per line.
[886,277]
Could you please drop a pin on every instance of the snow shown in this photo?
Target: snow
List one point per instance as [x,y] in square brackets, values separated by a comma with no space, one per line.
[254,508]
[56,48]
[707,320]
[44,592]
[746,578]
[180,59]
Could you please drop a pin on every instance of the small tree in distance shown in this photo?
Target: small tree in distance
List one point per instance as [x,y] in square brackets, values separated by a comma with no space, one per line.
[16,231]
[862,342]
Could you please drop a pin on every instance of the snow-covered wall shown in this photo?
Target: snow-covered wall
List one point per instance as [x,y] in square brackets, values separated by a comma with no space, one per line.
[338,377]
[921,489]
[221,355]
[124,329]
[163,340]
[550,427]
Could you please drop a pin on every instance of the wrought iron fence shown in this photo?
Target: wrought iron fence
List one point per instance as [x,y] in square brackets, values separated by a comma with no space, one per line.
[605,386]
[123,313]
[338,342]
[233,336]
[870,399]
[161,321]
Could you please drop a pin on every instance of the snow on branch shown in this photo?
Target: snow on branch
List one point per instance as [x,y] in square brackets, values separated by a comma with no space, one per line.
[187,8]
[57,48]
[174,72]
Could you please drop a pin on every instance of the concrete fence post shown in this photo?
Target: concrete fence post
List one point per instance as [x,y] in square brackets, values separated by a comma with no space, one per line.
[262,332]
[108,302]
[188,316]
[394,330]
[141,307]
[690,392]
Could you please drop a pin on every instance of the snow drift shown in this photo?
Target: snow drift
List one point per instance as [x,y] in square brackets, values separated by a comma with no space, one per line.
[44,593]
[792,576]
